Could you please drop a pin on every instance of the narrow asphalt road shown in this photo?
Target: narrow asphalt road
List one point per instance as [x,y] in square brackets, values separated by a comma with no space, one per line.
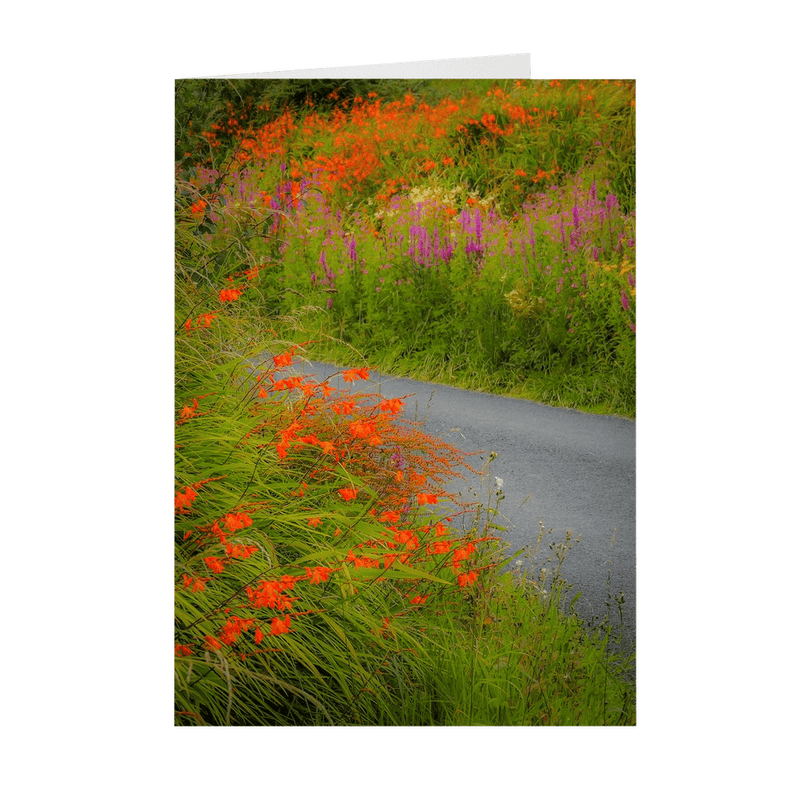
[573,471]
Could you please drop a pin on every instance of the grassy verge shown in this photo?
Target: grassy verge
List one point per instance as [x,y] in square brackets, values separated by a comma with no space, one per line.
[475,234]
[323,574]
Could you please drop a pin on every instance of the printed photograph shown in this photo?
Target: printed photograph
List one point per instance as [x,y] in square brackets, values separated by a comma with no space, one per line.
[405,402]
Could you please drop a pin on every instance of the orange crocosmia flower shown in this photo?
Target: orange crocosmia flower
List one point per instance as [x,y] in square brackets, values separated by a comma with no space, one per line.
[348,494]
[466,580]
[392,406]
[212,643]
[318,574]
[214,564]
[362,430]
[284,359]
[183,650]
[327,447]
[279,626]
[232,522]
[187,412]
[440,529]
[398,476]
[419,600]
[229,295]
[351,375]
[288,581]
[185,498]
[314,522]
[390,516]
[439,546]
[207,319]
[258,636]
[425,499]
[188,325]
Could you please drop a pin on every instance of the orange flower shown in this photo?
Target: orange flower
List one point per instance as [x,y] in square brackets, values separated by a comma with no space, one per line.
[284,359]
[228,295]
[466,580]
[362,430]
[314,522]
[424,499]
[183,650]
[317,574]
[212,643]
[392,406]
[348,494]
[419,600]
[279,626]
[351,375]
[214,564]
[234,522]
[185,499]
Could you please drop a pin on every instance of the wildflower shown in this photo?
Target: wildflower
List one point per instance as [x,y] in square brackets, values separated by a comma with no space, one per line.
[228,295]
[279,626]
[283,360]
[234,522]
[183,650]
[466,580]
[419,600]
[317,574]
[362,430]
[498,482]
[214,564]
[314,522]
[348,494]
[424,499]
[212,643]
[351,375]
[392,406]
[185,499]
[624,299]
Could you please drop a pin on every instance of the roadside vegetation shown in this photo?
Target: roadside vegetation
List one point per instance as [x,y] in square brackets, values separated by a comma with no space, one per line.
[450,230]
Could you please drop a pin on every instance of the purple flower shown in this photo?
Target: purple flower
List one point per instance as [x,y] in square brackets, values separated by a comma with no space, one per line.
[624,299]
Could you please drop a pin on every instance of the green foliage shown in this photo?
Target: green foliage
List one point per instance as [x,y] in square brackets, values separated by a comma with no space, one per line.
[318,579]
